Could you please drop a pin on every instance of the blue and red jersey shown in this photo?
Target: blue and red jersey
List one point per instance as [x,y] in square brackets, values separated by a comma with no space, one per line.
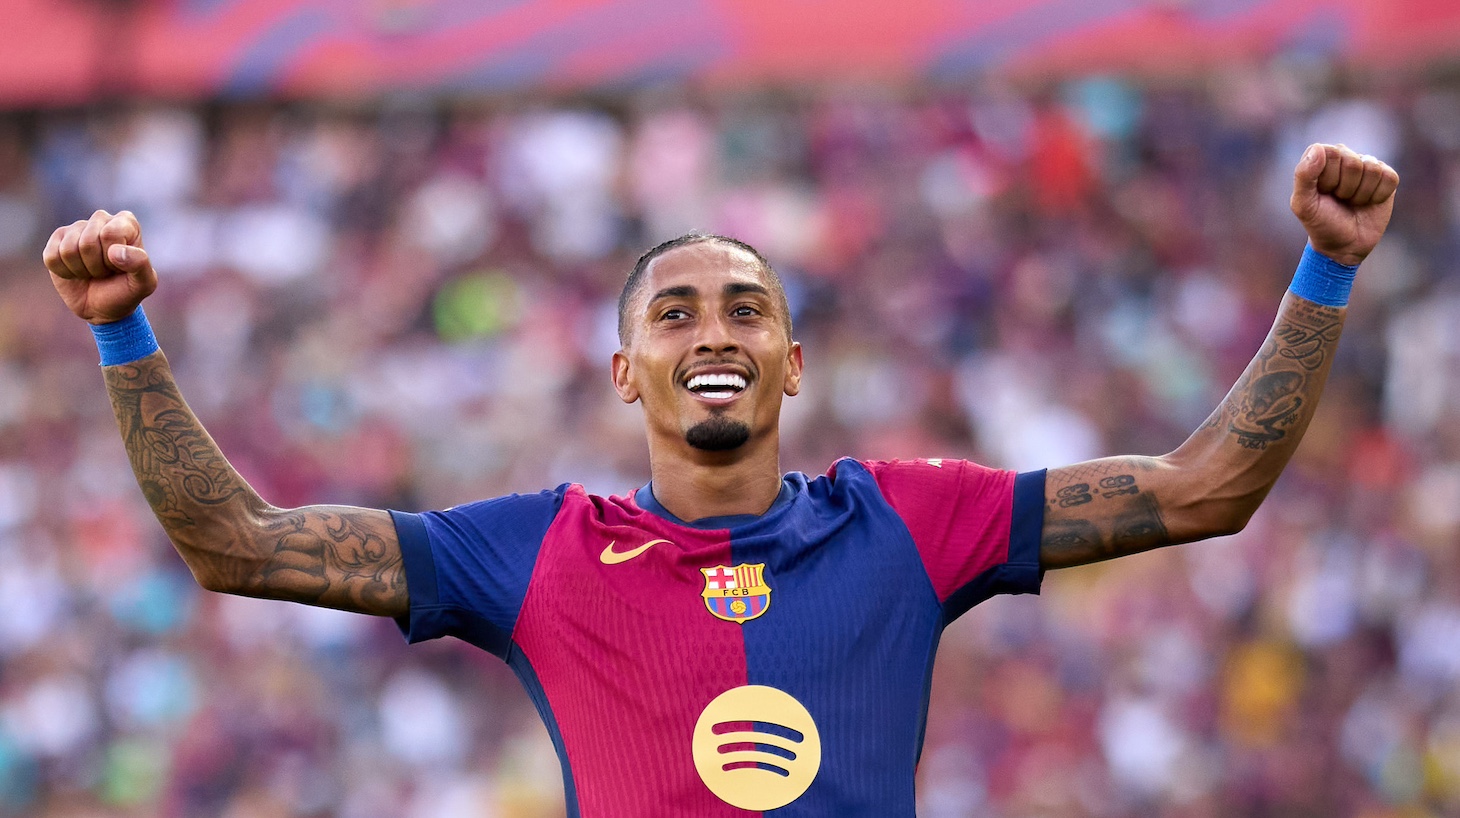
[777,664]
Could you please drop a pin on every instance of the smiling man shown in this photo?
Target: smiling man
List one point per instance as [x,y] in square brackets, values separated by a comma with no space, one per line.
[707,350]
[727,640]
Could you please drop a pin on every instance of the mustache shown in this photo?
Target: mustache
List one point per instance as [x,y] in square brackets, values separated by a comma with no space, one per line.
[684,372]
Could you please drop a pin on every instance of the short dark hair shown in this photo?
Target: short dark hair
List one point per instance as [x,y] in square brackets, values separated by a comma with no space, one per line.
[635,281]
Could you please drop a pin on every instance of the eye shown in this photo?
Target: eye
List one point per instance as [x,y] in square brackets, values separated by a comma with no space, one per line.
[745,311]
[673,314]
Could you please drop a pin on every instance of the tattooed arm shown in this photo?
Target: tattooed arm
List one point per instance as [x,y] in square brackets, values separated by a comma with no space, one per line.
[1213,483]
[334,556]
[233,541]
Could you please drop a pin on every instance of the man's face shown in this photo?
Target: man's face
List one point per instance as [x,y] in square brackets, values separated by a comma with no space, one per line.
[707,353]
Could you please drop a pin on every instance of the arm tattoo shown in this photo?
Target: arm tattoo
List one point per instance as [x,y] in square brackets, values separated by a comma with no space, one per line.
[1279,389]
[1063,537]
[1141,523]
[320,552]
[1280,386]
[177,464]
[333,556]
[1120,519]
[1212,484]
[1271,401]
[1309,345]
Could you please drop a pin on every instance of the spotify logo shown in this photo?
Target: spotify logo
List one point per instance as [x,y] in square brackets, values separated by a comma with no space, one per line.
[756,747]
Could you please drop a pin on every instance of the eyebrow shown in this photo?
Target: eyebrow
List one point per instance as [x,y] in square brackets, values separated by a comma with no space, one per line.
[682,291]
[688,291]
[740,288]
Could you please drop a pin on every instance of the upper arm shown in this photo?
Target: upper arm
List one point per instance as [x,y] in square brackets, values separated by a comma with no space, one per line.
[1110,507]
[976,529]
[469,567]
[333,556]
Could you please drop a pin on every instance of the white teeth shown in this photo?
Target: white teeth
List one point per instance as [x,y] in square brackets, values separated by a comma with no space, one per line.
[735,383]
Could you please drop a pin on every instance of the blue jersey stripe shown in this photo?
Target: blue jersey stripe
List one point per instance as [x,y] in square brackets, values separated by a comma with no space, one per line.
[849,633]
[410,531]
[1025,532]
[528,677]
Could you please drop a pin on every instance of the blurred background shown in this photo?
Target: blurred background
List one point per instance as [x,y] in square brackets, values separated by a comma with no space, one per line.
[1026,232]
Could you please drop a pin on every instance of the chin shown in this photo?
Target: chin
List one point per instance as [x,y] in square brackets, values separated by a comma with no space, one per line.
[717,433]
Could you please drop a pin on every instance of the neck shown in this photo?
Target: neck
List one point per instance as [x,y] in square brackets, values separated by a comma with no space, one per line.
[693,484]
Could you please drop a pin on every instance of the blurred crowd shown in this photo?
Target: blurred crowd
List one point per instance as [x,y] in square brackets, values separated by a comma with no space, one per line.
[410,304]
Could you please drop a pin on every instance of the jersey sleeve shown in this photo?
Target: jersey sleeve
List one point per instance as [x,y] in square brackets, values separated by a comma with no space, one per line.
[977,529]
[468,567]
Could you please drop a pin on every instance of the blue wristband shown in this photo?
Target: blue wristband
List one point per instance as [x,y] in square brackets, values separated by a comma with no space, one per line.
[125,341]
[1322,280]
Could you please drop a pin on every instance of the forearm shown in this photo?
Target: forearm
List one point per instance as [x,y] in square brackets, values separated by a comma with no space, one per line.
[199,498]
[1241,449]
[229,537]
[1212,483]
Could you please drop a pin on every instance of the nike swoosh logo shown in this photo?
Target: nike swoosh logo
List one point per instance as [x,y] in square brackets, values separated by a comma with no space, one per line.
[612,557]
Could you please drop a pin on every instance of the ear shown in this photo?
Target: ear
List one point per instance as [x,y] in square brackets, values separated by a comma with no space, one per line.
[793,369]
[627,392]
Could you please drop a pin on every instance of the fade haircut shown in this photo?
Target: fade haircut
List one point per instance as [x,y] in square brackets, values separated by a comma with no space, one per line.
[635,280]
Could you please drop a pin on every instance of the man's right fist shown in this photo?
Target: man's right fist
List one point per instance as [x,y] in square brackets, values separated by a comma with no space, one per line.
[99,267]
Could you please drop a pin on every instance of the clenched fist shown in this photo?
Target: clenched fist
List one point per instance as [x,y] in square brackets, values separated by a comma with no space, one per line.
[99,267]
[1344,201]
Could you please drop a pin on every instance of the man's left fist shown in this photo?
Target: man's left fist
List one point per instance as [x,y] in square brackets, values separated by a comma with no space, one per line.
[1344,201]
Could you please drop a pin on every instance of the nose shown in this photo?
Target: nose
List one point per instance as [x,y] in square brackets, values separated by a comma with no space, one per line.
[716,337]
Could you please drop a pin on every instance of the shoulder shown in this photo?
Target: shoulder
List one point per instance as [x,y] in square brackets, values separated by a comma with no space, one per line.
[923,471]
[542,504]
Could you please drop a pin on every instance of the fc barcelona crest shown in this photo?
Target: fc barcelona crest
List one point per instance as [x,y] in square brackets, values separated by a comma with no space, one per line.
[738,593]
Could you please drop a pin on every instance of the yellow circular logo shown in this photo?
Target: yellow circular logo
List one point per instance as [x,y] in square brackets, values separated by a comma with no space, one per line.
[756,747]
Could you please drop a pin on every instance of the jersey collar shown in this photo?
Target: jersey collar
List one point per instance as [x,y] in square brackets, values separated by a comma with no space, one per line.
[646,500]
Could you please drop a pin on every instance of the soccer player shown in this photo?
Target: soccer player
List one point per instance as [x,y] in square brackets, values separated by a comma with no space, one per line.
[726,640]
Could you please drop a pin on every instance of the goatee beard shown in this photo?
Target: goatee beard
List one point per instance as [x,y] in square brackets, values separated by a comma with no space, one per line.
[717,433]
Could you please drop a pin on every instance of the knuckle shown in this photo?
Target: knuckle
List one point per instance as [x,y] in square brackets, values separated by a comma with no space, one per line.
[119,227]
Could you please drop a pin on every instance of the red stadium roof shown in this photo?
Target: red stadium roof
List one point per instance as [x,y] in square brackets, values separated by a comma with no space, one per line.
[71,51]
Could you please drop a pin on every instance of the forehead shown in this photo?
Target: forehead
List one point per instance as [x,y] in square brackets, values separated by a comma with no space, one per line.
[707,266]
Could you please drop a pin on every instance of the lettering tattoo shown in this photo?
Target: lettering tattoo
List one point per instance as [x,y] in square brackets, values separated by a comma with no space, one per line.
[1308,346]
[335,556]
[1073,495]
[1120,518]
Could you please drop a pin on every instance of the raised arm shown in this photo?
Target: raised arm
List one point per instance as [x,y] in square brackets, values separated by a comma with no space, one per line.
[1213,483]
[233,541]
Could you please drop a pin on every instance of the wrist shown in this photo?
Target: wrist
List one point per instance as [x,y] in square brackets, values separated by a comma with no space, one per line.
[125,341]
[1323,280]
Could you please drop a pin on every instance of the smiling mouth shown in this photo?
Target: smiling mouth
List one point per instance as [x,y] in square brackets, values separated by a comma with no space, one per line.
[717,385]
